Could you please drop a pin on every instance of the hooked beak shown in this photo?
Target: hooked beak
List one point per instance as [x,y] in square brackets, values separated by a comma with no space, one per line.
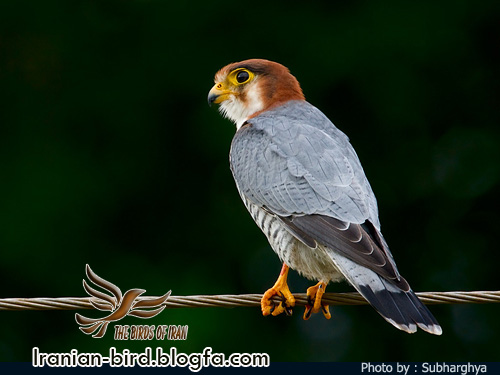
[218,94]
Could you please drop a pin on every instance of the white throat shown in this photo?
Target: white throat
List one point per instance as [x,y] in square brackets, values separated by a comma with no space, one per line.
[237,111]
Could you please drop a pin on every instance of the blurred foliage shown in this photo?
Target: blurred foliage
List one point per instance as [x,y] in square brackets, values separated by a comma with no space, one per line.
[109,155]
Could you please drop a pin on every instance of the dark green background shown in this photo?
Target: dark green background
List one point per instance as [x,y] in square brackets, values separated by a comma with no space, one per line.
[109,155]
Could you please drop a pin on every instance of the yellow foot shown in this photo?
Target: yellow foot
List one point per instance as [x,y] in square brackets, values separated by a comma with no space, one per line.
[280,289]
[314,305]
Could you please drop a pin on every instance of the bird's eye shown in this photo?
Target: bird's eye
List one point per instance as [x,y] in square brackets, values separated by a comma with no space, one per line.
[242,76]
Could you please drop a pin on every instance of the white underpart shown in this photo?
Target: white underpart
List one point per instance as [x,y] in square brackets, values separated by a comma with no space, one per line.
[237,111]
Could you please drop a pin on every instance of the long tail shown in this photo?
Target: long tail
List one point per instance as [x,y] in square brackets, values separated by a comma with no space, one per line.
[401,308]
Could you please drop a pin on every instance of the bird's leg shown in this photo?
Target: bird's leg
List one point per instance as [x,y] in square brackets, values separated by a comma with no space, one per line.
[280,288]
[314,305]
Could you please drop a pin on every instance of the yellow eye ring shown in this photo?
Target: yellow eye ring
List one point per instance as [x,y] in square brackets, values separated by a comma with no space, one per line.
[241,76]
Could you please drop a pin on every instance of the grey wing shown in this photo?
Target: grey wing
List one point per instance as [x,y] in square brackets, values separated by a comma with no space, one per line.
[313,181]
[295,168]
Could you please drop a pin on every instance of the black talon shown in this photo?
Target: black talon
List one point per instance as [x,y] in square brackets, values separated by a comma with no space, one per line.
[310,301]
[286,306]
[323,307]
[282,296]
[308,313]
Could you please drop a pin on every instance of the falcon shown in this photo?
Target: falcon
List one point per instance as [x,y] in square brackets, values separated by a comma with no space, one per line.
[304,186]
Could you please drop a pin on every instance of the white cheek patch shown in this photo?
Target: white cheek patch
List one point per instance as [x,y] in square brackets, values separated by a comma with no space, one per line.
[238,111]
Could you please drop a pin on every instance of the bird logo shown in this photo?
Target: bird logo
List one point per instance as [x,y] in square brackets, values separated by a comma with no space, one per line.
[120,305]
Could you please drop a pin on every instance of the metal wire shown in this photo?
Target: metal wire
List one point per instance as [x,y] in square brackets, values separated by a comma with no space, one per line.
[82,303]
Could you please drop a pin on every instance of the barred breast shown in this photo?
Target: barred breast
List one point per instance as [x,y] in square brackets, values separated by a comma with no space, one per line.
[313,264]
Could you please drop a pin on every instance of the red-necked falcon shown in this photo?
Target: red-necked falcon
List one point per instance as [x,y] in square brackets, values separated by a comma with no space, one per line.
[303,184]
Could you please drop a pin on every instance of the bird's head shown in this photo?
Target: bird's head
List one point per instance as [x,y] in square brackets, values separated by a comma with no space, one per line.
[249,87]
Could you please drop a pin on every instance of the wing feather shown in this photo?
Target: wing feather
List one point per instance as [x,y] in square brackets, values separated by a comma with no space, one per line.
[308,174]
[307,168]
[350,240]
